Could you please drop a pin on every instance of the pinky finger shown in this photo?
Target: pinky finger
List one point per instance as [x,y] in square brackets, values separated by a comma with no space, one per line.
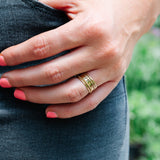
[85,105]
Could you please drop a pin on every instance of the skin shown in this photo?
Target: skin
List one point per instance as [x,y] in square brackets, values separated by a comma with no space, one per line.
[101,35]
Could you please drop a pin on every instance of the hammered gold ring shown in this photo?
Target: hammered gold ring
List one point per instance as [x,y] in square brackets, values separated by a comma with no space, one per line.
[88,82]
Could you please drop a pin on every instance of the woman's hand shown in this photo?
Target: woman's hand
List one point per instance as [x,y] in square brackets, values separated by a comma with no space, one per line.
[101,36]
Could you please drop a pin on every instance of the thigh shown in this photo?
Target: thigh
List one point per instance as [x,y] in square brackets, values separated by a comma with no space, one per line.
[100,134]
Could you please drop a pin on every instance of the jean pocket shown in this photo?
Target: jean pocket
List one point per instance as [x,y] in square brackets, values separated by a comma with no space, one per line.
[39,6]
[45,10]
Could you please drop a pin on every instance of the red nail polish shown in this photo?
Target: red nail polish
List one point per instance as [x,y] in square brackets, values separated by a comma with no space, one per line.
[2,61]
[51,115]
[5,83]
[19,94]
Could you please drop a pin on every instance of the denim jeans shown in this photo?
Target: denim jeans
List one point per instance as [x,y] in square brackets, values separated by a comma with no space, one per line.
[25,132]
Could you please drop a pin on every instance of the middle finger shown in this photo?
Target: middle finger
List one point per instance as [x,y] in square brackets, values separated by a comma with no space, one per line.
[51,72]
[70,91]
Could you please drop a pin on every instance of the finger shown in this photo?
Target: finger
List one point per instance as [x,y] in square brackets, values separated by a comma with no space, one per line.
[51,72]
[68,92]
[85,105]
[44,45]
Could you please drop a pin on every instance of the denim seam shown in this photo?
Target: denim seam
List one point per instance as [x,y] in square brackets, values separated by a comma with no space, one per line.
[126,110]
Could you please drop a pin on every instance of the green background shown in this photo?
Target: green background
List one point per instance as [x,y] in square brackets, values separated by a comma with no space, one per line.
[143,85]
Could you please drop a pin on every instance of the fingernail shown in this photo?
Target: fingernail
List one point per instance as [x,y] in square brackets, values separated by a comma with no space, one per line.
[51,115]
[2,61]
[5,83]
[19,94]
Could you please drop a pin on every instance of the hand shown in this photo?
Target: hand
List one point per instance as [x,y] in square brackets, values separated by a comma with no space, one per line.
[101,36]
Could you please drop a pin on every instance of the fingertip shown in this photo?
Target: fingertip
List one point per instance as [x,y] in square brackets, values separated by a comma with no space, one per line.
[5,83]
[2,61]
[19,94]
[51,114]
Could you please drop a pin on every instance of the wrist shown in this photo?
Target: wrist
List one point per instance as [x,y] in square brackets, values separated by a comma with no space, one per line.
[156,7]
[152,8]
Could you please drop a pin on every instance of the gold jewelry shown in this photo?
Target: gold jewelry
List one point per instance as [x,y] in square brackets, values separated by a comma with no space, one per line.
[88,82]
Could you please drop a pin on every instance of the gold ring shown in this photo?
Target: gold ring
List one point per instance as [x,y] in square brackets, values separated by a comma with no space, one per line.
[88,82]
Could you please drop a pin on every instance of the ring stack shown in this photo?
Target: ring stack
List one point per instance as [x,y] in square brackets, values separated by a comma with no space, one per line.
[88,82]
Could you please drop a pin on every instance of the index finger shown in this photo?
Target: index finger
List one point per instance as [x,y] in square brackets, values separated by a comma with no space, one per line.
[43,45]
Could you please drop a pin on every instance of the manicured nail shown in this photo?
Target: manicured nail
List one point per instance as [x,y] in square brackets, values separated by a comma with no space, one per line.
[2,61]
[51,115]
[19,94]
[5,83]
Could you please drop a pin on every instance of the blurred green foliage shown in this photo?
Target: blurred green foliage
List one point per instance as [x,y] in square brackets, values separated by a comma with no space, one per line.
[157,23]
[143,84]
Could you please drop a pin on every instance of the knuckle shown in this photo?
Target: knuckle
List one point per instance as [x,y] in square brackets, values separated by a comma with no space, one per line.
[113,50]
[67,114]
[108,52]
[40,47]
[91,105]
[94,29]
[74,95]
[53,74]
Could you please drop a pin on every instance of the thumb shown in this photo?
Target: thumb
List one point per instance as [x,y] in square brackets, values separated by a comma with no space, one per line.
[64,5]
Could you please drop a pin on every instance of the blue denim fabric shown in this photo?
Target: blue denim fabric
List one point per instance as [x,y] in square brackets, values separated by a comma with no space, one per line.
[25,132]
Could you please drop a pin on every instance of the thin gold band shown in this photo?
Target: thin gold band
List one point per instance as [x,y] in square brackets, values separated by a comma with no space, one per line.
[88,82]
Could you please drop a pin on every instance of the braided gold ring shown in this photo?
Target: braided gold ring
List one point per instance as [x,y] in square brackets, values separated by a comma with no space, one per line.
[88,82]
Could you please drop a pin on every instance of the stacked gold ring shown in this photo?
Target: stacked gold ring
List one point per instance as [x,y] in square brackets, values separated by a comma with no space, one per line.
[88,82]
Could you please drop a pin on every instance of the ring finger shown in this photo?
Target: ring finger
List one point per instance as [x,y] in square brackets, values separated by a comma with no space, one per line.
[68,92]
